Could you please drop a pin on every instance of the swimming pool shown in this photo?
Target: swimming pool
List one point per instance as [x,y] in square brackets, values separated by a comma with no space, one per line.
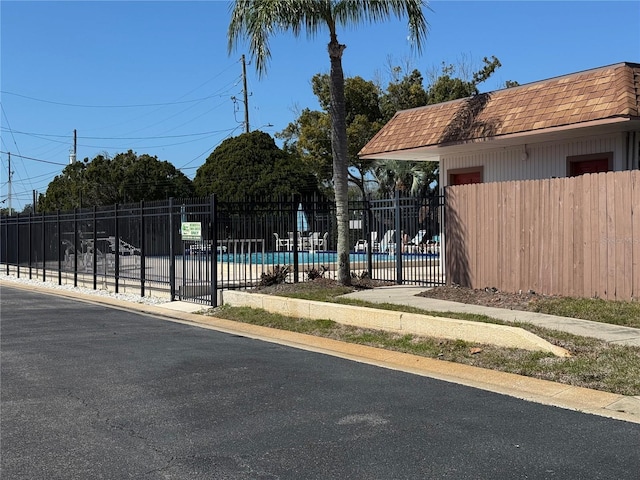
[287,258]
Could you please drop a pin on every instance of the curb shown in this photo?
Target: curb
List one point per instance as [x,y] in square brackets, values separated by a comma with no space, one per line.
[615,406]
[394,321]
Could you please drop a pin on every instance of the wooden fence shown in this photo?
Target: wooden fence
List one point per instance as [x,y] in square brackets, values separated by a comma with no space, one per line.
[577,236]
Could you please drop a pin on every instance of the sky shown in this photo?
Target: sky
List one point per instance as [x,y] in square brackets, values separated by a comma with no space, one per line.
[157,78]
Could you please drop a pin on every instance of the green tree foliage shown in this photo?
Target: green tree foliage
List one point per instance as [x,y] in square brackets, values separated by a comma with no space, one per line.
[4,211]
[310,134]
[403,93]
[126,178]
[252,165]
[410,178]
[367,109]
[450,87]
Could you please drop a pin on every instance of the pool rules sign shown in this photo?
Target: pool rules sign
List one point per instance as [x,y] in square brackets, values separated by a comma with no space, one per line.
[191,231]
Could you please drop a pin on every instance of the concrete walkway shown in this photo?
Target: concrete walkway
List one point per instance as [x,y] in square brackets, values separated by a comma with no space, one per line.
[406,295]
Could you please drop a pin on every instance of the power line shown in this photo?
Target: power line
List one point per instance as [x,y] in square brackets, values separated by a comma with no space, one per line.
[34,159]
[39,135]
[159,104]
[108,106]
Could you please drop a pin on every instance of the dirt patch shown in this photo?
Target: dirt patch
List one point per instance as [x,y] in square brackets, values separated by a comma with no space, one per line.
[320,284]
[488,297]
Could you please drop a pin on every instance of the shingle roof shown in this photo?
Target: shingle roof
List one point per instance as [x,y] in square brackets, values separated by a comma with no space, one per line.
[602,93]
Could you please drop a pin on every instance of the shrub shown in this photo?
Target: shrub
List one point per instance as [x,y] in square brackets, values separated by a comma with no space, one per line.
[314,274]
[279,275]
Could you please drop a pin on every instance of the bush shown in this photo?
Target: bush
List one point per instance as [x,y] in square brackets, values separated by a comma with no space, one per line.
[364,275]
[314,274]
[279,275]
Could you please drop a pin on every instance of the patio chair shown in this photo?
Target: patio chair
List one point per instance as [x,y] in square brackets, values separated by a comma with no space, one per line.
[363,245]
[322,245]
[281,243]
[314,241]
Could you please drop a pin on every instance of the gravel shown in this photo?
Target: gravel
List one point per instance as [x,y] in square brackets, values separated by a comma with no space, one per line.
[129,297]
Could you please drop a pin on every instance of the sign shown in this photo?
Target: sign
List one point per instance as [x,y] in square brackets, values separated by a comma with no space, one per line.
[191,231]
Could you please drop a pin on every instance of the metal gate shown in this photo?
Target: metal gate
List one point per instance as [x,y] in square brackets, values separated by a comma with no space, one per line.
[196,272]
[405,234]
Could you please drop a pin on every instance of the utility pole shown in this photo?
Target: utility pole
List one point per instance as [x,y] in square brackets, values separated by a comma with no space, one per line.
[73,153]
[9,184]
[246,96]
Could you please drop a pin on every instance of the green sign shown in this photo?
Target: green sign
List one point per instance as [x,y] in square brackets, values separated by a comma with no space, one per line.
[191,231]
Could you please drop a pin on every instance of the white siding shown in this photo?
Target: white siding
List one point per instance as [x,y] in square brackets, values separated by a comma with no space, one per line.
[543,160]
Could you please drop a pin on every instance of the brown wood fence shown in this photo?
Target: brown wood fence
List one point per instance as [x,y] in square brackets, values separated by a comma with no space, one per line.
[577,236]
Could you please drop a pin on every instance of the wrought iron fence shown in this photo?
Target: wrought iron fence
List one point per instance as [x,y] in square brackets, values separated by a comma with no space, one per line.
[142,248]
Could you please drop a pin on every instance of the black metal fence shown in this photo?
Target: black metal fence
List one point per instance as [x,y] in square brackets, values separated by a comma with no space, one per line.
[225,245]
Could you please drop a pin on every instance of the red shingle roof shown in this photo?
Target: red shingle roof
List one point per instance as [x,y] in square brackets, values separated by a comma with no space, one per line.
[602,93]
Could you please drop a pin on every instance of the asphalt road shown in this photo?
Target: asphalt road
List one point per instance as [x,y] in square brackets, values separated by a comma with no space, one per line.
[91,392]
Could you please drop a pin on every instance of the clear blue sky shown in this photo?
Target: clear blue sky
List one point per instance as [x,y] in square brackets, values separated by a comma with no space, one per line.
[156,77]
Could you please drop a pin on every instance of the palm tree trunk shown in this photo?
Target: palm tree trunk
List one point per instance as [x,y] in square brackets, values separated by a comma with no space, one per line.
[340,158]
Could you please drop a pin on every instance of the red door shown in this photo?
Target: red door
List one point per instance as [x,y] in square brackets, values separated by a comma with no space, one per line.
[589,166]
[466,178]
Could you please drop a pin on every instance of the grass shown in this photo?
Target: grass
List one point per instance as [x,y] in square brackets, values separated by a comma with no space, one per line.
[597,310]
[594,363]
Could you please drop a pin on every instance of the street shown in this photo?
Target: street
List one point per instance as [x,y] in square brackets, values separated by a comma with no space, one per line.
[91,392]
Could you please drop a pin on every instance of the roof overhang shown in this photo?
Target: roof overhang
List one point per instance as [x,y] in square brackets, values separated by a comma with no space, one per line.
[434,153]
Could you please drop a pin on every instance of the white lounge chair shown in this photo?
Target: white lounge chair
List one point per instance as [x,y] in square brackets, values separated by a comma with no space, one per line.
[387,244]
[415,244]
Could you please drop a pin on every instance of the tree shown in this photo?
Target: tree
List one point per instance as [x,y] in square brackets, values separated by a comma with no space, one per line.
[403,93]
[258,19]
[252,165]
[310,133]
[407,91]
[410,178]
[126,178]
[448,87]
[5,211]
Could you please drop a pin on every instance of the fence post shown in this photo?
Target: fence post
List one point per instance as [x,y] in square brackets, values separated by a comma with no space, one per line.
[75,247]
[30,245]
[95,250]
[117,249]
[17,217]
[398,227]
[172,255]
[59,247]
[142,252]
[44,250]
[368,224]
[214,251]
[6,243]
[296,266]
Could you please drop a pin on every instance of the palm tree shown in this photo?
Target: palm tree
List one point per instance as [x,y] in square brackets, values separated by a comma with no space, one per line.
[410,178]
[256,20]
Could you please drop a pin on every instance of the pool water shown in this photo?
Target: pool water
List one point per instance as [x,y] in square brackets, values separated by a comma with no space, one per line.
[286,258]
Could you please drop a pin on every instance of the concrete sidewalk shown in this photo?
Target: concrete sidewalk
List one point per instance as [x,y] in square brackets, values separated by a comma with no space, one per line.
[406,295]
